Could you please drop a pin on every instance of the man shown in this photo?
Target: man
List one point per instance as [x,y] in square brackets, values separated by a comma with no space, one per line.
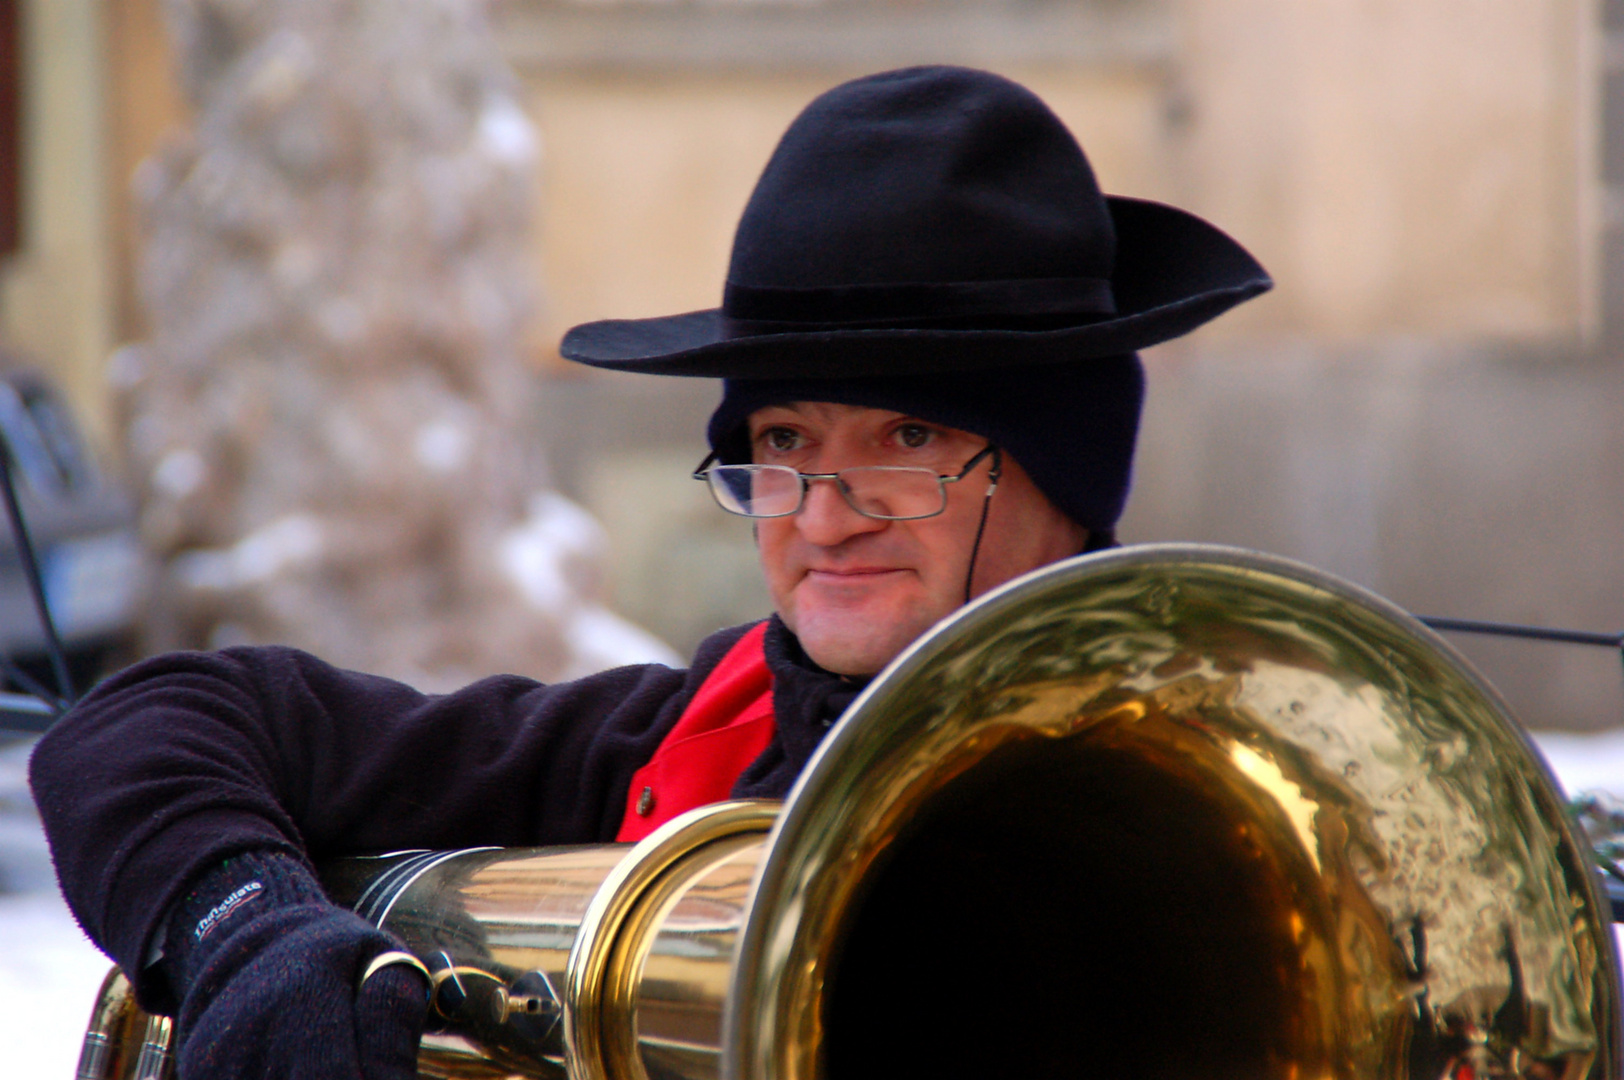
[927,342]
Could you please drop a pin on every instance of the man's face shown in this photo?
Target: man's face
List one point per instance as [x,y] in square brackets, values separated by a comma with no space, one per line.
[857,590]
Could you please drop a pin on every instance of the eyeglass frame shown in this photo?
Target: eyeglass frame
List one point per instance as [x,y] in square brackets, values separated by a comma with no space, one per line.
[709,464]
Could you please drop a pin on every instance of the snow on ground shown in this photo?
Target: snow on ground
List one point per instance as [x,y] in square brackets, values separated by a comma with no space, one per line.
[49,972]
[1585,762]
[49,975]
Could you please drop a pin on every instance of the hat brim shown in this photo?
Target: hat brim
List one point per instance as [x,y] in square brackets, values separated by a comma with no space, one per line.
[1174,272]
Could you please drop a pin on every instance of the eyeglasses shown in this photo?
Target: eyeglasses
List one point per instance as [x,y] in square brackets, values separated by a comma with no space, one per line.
[886,492]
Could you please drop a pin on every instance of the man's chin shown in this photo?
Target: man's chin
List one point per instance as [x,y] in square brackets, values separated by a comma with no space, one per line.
[853,642]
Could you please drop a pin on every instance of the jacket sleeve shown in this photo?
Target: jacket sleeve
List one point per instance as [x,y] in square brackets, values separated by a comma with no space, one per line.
[180,761]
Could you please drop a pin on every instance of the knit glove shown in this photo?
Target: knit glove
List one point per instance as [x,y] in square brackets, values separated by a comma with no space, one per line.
[267,972]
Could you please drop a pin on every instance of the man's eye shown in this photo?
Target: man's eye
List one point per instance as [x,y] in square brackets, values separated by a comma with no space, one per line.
[913,436]
[780,439]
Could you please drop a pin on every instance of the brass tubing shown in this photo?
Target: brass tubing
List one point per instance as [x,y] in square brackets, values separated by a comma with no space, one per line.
[665,991]
[603,956]
[104,1034]
[537,955]
[155,1059]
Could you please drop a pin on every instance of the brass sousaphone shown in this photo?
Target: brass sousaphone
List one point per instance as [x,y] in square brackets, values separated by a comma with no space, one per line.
[1166,811]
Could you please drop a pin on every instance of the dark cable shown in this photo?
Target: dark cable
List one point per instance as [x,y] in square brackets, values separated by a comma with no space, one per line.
[1542,633]
[10,669]
[36,584]
[25,713]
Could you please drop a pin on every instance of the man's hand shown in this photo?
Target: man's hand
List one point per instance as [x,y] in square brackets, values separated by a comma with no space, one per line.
[270,977]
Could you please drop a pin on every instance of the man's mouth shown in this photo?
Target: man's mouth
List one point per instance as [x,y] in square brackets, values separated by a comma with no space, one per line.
[851,574]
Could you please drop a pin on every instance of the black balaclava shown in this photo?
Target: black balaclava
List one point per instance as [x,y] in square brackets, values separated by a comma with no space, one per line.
[1071,426]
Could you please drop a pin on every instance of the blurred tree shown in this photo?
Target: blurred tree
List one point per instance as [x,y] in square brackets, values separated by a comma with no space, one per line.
[330,425]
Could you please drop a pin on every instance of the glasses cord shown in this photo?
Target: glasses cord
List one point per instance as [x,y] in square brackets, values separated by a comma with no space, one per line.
[981,526]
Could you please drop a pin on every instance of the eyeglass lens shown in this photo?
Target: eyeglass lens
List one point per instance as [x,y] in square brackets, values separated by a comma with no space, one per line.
[879,491]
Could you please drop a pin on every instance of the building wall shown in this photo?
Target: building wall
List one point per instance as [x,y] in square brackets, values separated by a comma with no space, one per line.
[144,107]
[1422,168]
[1427,168]
[1402,167]
[98,96]
[54,292]
[1458,481]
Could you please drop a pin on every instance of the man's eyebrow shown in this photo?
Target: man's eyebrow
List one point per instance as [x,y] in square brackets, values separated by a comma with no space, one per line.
[756,425]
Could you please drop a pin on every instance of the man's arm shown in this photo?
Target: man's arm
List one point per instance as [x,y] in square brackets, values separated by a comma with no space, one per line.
[184,760]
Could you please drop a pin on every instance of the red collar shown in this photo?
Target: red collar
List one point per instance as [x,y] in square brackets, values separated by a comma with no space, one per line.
[725,727]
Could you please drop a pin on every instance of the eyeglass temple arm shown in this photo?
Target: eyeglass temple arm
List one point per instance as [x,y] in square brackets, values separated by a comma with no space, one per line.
[703,466]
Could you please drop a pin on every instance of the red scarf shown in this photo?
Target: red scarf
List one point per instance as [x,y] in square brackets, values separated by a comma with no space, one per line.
[725,727]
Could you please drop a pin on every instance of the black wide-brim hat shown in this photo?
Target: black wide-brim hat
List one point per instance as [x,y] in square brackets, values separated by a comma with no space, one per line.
[930,220]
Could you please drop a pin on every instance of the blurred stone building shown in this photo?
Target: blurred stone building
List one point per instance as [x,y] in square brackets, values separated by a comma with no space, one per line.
[1431,403]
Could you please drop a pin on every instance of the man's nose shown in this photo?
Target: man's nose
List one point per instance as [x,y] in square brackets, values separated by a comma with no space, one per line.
[827,519]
